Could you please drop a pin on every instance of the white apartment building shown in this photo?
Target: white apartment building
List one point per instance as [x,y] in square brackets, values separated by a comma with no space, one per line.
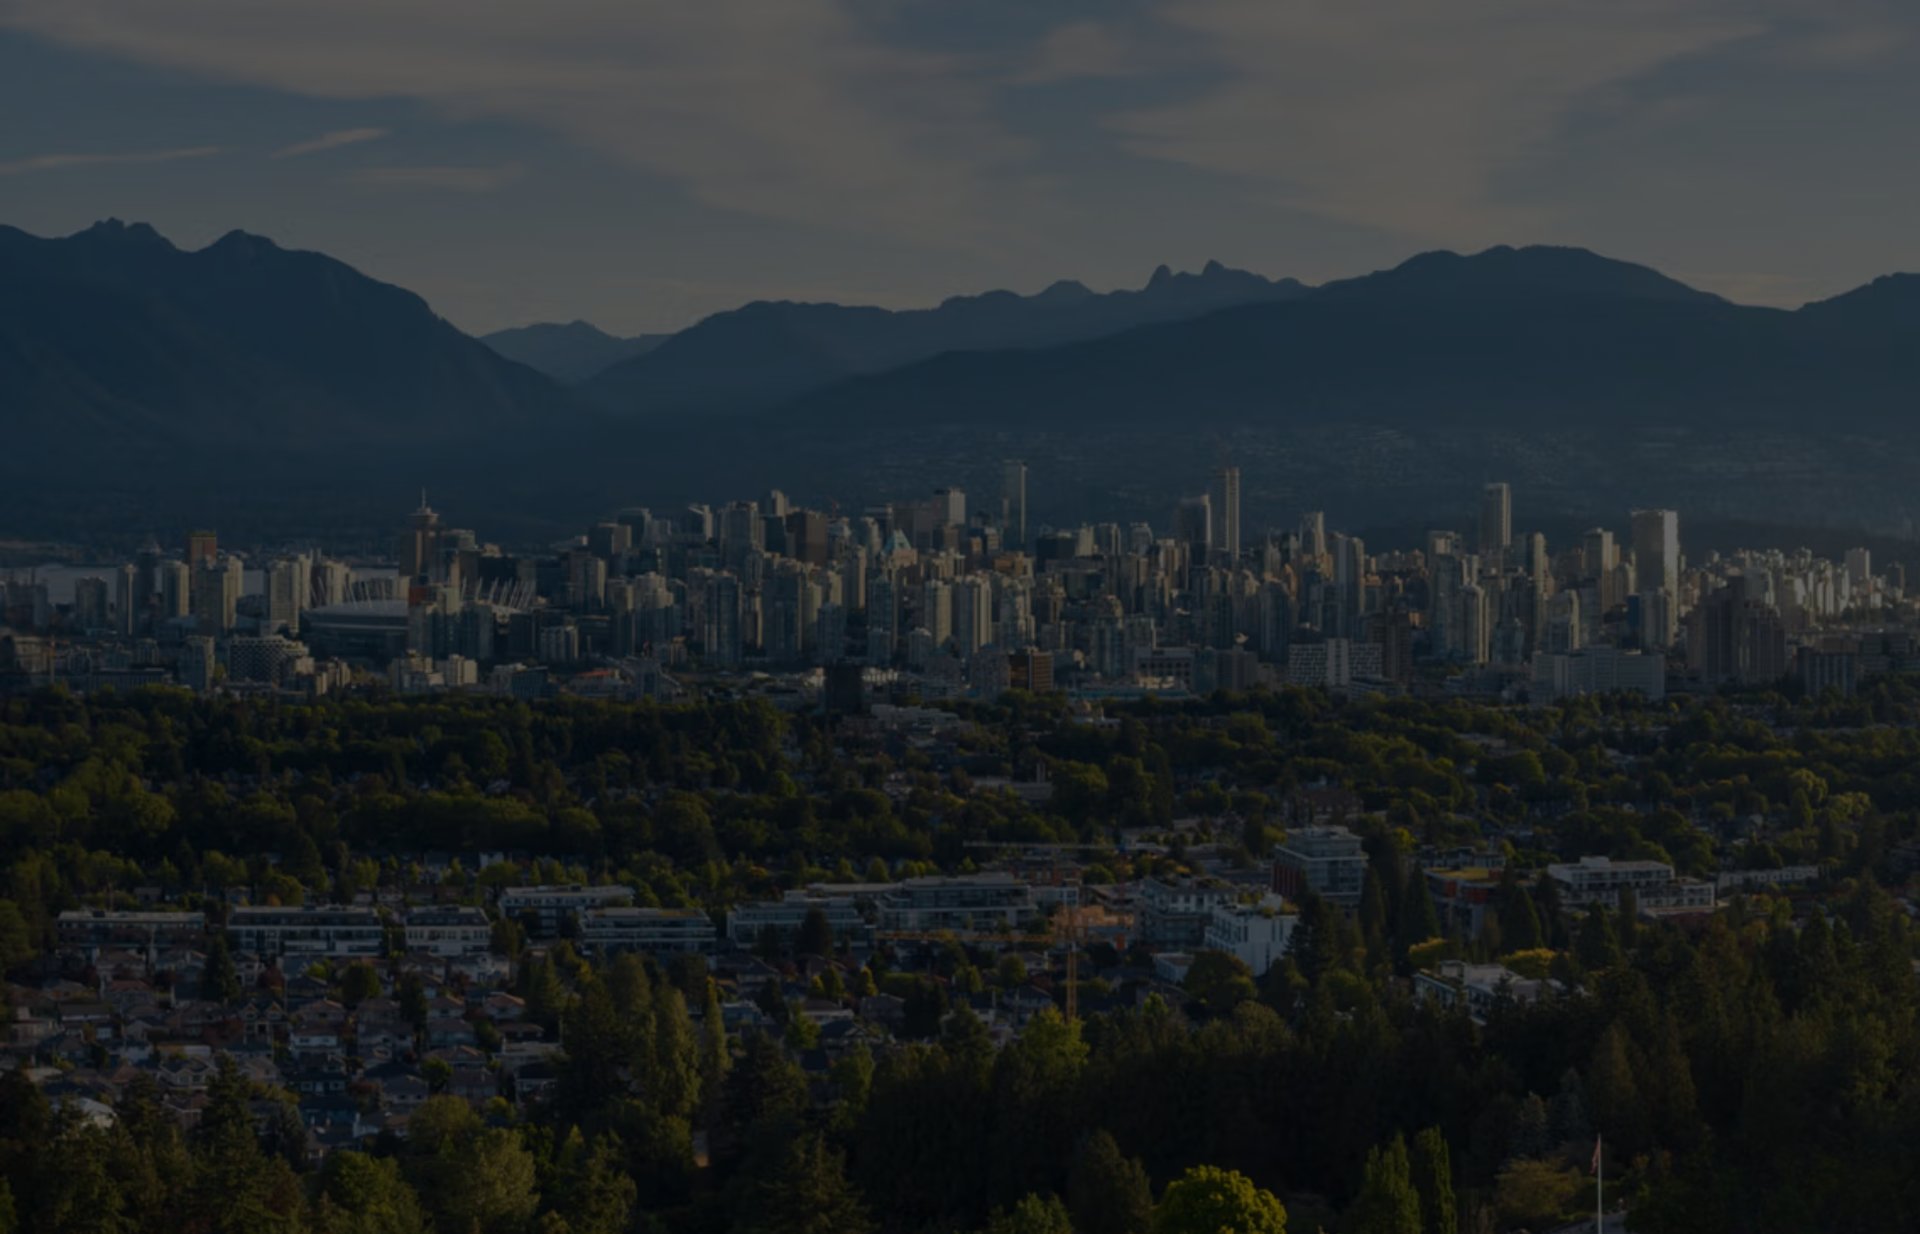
[1255,934]
[1600,880]
[1326,860]
[547,907]
[330,932]
[655,931]
[974,903]
[748,924]
[449,930]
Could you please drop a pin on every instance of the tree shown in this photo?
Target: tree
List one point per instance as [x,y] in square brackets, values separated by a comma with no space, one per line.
[715,1058]
[1419,920]
[1519,919]
[365,1195]
[358,984]
[218,980]
[16,940]
[816,934]
[1219,982]
[1034,1214]
[595,1192]
[1210,1200]
[1433,1180]
[807,1192]
[1107,1193]
[1535,1193]
[1387,1203]
[1597,946]
[233,1187]
[497,1194]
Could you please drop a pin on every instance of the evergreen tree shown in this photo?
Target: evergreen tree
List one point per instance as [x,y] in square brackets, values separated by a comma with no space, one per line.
[807,1192]
[1519,920]
[596,1194]
[1387,1203]
[1373,918]
[1433,1181]
[815,935]
[1419,921]
[716,1059]
[1034,1214]
[233,1187]
[359,1194]
[1597,947]
[675,1074]
[218,980]
[1107,1193]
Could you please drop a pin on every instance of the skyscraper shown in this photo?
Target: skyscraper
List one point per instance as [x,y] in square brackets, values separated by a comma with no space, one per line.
[1226,505]
[1656,552]
[1313,534]
[1193,526]
[1496,519]
[417,542]
[202,548]
[1013,504]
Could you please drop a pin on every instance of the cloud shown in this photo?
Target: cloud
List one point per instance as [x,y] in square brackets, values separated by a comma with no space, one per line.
[458,179]
[795,109]
[330,141]
[1401,114]
[57,162]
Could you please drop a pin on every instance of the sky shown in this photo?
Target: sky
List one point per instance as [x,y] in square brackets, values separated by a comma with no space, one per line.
[642,163]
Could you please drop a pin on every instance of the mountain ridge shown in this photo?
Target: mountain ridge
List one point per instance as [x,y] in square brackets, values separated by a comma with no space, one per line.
[799,345]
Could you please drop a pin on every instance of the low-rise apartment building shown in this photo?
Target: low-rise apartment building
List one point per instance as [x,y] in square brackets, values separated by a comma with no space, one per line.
[324,932]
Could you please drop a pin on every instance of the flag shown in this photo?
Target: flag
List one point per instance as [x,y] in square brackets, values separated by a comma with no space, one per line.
[1595,1167]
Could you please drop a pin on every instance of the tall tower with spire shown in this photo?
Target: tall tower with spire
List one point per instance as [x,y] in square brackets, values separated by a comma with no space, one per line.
[418,544]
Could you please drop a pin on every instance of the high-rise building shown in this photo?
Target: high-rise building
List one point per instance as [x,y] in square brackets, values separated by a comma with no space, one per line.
[936,611]
[196,666]
[175,590]
[90,604]
[721,636]
[972,613]
[1496,519]
[1656,551]
[129,604]
[1732,635]
[202,548]
[1598,556]
[883,618]
[216,595]
[1193,526]
[1013,504]
[1313,534]
[289,579]
[418,542]
[1226,503]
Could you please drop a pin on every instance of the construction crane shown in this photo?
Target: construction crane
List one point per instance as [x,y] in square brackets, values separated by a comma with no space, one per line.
[1071,935]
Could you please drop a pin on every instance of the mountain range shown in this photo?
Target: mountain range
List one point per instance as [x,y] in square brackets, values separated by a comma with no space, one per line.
[791,348]
[132,365]
[570,352]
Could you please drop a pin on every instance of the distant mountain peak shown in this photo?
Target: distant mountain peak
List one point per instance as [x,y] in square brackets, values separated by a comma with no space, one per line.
[1505,270]
[1065,289]
[114,231]
[237,243]
[1162,275]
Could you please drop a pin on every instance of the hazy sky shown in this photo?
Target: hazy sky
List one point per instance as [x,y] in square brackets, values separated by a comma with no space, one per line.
[640,163]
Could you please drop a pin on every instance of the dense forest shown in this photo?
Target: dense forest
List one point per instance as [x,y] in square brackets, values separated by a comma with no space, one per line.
[1760,1072]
